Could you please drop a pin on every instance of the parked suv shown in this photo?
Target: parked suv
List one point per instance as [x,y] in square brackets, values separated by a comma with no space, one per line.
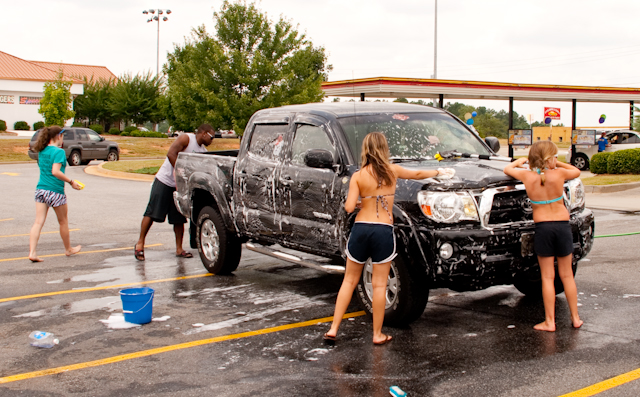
[619,140]
[82,145]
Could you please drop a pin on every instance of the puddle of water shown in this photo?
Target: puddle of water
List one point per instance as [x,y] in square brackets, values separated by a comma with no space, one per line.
[82,306]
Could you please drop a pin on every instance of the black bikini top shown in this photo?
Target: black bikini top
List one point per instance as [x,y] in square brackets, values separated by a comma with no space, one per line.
[381,198]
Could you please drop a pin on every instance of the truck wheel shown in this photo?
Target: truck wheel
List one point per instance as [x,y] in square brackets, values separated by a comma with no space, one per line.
[219,250]
[407,293]
[75,158]
[580,161]
[531,283]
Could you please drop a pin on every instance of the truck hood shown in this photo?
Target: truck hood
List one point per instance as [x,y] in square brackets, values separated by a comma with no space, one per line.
[470,174]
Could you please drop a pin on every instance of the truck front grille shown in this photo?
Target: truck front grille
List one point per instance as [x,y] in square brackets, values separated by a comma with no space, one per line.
[510,206]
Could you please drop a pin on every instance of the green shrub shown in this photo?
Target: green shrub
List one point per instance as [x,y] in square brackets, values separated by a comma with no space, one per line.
[114,131]
[97,128]
[37,125]
[21,125]
[3,125]
[130,128]
[598,163]
[77,124]
[125,133]
[624,162]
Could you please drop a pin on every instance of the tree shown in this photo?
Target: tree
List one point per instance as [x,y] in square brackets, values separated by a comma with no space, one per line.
[137,98]
[56,102]
[94,105]
[250,64]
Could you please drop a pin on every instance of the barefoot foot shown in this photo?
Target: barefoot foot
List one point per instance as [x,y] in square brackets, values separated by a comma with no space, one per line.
[35,258]
[383,340]
[577,324]
[545,326]
[73,250]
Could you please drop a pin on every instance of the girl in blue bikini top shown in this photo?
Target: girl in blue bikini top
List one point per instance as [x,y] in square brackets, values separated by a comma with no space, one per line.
[546,182]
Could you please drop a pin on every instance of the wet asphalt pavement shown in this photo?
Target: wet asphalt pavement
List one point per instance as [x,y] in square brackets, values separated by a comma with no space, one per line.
[259,335]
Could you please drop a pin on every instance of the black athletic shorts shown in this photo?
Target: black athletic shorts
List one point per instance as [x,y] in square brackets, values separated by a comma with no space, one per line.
[161,204]
[553,239]
[371,240]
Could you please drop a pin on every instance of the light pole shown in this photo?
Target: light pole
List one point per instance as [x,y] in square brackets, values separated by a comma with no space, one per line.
[157,18]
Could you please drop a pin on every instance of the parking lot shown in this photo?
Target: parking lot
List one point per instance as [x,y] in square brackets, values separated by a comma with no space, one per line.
[259,331]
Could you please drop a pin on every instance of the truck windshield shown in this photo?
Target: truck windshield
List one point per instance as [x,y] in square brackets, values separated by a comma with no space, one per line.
[412,135]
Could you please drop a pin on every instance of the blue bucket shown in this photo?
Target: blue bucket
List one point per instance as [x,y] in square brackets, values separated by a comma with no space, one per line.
[137,305]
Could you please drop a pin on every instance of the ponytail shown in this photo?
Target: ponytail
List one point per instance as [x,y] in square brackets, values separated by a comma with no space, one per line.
[45,137]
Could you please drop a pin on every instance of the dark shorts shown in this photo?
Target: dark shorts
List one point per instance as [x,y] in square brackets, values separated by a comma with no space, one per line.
[553,239]
[52,199]
[161,204]
[371,240]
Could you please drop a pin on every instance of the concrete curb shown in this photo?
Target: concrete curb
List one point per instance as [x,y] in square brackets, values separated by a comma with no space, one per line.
[618,187]
[99,171]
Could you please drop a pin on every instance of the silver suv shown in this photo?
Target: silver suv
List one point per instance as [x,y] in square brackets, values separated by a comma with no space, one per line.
[82,145]
[619,140]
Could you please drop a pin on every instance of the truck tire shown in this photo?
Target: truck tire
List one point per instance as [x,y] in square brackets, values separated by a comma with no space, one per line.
[75,158]
[407,293]
[531,283]
[219,250]
[580,161]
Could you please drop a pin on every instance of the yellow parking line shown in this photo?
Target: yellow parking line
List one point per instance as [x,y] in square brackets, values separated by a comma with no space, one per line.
[81,252]
[605,385]
[8,219]
[151,352]
[26,234]
[74,291]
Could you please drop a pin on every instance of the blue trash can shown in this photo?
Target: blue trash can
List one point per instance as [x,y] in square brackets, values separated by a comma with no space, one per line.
[137,304]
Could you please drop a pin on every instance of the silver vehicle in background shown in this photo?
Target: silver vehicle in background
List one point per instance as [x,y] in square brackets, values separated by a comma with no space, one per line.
[618,140]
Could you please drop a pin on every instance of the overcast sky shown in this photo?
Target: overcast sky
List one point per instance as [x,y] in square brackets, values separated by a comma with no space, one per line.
[587,42]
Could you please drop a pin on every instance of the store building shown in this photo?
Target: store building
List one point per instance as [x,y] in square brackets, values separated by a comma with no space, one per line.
[22,85]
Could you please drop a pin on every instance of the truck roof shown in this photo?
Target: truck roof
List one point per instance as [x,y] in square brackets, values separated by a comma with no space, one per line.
[347,109]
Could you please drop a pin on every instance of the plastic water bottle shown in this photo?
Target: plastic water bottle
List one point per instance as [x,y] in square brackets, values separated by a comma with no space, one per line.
[42,339]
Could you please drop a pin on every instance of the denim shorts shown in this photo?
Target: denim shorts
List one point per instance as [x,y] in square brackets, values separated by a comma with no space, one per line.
[553,239]
[371,240]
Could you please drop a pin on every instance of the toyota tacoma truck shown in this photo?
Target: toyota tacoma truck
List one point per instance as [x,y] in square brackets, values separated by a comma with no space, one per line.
[282,193]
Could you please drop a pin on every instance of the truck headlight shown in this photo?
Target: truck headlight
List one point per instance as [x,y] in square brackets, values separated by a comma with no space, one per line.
[575,194]
[448,207]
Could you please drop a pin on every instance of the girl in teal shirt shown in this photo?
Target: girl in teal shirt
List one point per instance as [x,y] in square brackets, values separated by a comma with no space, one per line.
[50,190]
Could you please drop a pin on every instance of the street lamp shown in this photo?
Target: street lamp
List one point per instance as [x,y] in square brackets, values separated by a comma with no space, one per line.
[157,18]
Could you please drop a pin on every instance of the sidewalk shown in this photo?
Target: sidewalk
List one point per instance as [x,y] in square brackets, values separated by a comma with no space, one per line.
[621,200]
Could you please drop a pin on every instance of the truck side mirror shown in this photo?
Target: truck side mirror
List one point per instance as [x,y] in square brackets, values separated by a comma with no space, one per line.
[493,143]
[318,158]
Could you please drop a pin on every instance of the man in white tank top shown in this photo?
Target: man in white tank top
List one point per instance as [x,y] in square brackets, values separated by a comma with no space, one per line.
[161,202]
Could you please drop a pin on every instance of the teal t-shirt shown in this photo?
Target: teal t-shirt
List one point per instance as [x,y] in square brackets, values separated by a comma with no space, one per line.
[46,158]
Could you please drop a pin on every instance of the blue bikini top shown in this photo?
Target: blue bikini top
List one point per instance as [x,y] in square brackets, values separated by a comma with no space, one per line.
[547,201]
[541,173]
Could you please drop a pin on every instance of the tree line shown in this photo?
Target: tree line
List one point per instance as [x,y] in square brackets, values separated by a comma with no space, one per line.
[221,79]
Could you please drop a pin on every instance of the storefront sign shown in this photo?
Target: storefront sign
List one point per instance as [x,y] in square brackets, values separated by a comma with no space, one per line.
[583,137]
[552,113]
[30,100]
[520,137]
[7,99]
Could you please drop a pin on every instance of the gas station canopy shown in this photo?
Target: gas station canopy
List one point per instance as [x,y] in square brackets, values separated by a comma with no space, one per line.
[393,87]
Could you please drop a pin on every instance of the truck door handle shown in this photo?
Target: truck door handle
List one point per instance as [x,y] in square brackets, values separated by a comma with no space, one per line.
[286,180]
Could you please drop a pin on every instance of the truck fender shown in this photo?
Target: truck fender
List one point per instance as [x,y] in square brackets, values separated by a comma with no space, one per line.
[407,240]
[202,185]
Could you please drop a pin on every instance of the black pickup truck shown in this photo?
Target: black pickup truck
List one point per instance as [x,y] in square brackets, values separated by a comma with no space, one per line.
[285,189]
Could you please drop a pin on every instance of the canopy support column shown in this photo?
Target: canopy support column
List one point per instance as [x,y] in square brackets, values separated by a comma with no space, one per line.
[362,97]
[441,101]
[630,115]
[510,124]
[573,127]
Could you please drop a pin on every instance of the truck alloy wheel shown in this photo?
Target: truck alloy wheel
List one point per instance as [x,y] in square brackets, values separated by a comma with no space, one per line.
[406,296]
[392,284]
[112,156]
[219,249]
